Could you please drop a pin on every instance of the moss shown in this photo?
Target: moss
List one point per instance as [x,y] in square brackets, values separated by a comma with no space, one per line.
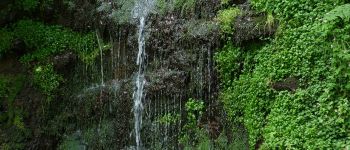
[226,19]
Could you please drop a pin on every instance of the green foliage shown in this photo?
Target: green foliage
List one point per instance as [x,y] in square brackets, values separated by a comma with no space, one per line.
[203,141]
[238,141]
[224,2]
[47,80]
[228,62]
[194,110]
[342,12]
[31,5]
[184,7]
[270,21]
[311,48]
[27,5]
[122,14]
[104,132]
[13,131]
[9,88]
[296,13]
[95,137]
[71,143]
[226,19]
[162,6]
[50,40]
[5,41]
[169,118]
[13,138]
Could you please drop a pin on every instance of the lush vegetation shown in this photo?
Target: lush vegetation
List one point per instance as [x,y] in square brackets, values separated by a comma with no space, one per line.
[36,45]
[11,121]
[292,90]
[289,90]
[47,41]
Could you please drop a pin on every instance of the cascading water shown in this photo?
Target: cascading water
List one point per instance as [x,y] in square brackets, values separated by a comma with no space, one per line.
[140,81]
[141,11]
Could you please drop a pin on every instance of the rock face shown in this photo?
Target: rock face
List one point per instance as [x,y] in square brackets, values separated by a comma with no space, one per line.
[96,99]
[180,65]
[250,25]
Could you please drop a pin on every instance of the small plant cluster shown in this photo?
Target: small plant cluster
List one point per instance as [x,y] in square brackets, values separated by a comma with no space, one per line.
[47,80]
[312,46]
[194,110]
[13,129]
[185,7]
[226,19]
[45,41]
[296,13]
[169,119]
[51,40]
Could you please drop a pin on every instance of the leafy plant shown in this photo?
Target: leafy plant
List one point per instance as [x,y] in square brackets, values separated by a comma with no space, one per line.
[342,11]
[50,40]
[169,118]
[194,110]
[296,13]
[312,48]
[13,129]
[47,80]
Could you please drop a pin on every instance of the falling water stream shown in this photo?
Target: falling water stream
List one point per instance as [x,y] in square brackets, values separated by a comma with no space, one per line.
[141,10]
[140,82]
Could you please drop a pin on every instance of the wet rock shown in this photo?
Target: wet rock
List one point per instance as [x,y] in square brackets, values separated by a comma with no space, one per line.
[169,81]
[64,62]
[251,25]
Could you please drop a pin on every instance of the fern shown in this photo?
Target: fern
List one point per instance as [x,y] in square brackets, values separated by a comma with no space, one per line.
[342,11]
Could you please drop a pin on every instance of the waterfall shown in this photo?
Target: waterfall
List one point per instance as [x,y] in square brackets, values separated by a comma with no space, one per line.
[140,81]
[141,11]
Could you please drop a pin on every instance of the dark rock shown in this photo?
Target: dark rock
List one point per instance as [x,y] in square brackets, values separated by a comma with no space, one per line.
[289,84]
[251,25]
[171,81]
[64,61]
